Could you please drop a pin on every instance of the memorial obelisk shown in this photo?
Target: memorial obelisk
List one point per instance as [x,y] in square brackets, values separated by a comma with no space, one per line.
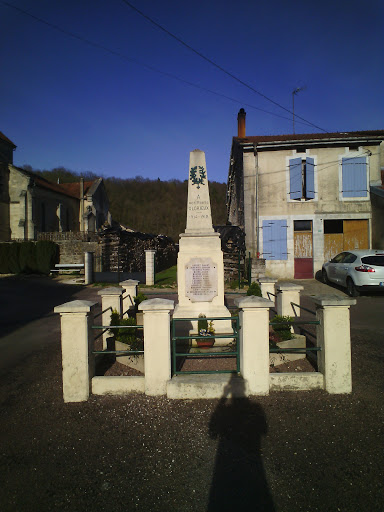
[200,266]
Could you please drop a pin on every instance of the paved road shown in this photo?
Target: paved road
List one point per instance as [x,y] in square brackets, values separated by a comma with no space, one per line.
[26,314]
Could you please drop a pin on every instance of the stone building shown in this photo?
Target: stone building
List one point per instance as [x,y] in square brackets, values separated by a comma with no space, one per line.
[302,198]
[30,205]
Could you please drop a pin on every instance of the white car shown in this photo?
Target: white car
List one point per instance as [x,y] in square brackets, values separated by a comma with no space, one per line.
[357,271]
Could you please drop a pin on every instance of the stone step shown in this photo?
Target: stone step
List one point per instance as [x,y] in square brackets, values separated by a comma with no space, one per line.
[207,386]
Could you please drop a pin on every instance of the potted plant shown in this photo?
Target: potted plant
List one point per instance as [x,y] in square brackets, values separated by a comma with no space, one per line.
[206,330]
[127,339]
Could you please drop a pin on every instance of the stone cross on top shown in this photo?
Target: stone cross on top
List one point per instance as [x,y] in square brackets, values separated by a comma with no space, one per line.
[199,217]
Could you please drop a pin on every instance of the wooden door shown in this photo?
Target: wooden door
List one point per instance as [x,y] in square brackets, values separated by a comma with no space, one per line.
[303,250]
[355,235]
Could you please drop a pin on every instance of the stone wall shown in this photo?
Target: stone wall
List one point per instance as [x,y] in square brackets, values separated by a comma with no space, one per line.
[124,251]
[73,245]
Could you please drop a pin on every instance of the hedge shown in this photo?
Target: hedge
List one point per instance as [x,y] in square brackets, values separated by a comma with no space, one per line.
[28,257]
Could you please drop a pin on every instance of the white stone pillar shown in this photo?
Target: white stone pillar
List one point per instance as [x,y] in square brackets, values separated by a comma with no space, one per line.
[285,294]
[334,337]
[267,286]
[254,343]
[111,298]
[150,267]
[76,348]
[157,344]
[88,267]
[130,287]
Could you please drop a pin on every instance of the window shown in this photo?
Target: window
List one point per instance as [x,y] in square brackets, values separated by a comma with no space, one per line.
[302,178]
[354,177]
[275,239]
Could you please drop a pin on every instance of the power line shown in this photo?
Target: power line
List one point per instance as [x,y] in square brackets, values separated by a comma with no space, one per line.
[147,66]
[215,64]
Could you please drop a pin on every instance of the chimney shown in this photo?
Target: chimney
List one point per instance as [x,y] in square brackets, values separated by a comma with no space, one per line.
[241,124]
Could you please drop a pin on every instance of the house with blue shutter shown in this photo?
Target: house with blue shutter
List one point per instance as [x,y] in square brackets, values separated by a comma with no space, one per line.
[303,198]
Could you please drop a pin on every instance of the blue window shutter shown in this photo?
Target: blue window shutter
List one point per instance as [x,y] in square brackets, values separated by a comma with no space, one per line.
[354,177]
[310,178]
[275,239]
[295,178]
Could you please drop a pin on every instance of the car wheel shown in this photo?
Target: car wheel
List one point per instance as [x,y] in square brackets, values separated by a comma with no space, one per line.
[351,288]
[325,277]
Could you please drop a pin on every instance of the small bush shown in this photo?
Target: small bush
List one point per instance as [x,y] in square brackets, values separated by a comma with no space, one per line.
[46,256]
[139,298]
[4,258]
[282,326]
[254,289]
[127,336]
[13,258]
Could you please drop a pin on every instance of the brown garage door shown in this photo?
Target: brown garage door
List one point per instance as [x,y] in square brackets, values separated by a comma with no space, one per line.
[343,235]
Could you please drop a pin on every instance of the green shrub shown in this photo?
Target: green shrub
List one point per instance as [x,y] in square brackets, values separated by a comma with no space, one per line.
[13,258]
[27,257]
[282,326]
[4,258]
[127,336]
[254,289]
[139,298]
[46,256]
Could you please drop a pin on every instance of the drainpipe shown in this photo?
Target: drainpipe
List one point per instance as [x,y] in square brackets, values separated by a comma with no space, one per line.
[257,201]
[82,204]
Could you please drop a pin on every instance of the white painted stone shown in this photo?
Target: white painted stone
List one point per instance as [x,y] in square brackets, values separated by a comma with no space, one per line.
[76,348]
[130,287]
[200,243]
[150,267]
[267,286]
[206,386]
[157,344]
[201,279]
[334,338]
[111,299]
[285,294]
[254,342]
[117,385]
[88,267]
[199,217]
[304,381]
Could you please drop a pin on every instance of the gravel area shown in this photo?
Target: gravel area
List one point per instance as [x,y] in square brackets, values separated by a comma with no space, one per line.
[286,452]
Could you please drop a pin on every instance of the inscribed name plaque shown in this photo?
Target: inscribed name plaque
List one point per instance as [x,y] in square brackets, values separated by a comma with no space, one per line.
[201,280]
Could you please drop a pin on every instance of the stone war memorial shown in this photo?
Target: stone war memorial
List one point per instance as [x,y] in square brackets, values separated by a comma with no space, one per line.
[200,266]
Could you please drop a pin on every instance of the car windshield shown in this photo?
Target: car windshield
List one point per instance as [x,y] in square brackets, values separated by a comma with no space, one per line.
[376,260]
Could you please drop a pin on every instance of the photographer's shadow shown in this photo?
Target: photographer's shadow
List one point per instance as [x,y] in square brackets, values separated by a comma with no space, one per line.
[239,481]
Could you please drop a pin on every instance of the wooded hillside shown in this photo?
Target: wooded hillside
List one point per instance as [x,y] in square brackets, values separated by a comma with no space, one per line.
[151,206]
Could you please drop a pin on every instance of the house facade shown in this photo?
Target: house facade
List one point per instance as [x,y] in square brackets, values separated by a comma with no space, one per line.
[302,198]
[30,204]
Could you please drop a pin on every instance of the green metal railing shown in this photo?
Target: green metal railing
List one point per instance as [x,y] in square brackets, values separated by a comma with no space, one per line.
[211,354]
[299,323]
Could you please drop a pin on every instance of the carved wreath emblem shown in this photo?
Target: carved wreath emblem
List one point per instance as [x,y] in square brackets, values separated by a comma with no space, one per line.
[197,180]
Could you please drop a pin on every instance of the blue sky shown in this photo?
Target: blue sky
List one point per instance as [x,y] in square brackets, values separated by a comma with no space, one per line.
[67,103]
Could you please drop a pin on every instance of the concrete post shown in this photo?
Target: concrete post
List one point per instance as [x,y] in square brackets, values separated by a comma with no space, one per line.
[150,267]
[267,285]
[111,298]
[88,267]
[130,287]
[157,344]
[76,348]
[334,338]
[254,343]
[285,294]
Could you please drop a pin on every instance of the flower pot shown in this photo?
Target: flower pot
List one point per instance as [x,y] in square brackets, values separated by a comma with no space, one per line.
[205,343]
